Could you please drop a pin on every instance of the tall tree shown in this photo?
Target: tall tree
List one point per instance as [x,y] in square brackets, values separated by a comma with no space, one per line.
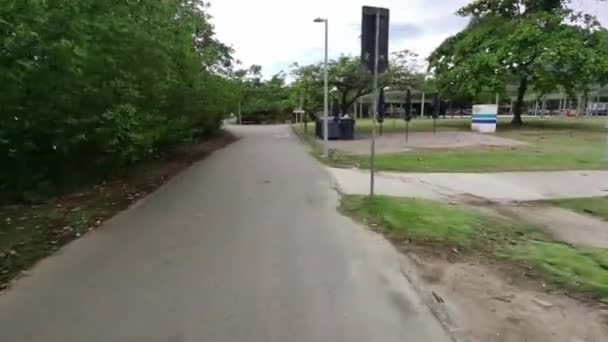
[264,100]
[308,87]
[107,80]
[539,44]
[351,81]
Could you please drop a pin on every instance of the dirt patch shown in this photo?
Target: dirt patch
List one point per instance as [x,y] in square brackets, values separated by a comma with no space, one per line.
[29,233]
[394,143]
[484,305]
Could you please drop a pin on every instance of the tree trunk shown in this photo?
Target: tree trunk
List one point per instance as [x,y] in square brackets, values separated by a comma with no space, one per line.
[519,103]
[346,104]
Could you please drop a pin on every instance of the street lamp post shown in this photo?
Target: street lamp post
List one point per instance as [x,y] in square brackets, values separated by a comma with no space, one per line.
[325,92]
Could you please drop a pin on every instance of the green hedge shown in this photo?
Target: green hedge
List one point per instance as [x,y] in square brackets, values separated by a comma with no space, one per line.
[88,87]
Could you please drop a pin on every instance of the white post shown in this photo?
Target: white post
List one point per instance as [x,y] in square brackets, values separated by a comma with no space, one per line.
[326,96]
[596,99]
[422,105]
[361,114]
[301,107]
[544,107]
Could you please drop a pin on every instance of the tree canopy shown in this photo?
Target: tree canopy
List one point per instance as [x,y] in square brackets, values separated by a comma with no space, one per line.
[103,81]
[349,81]
[262,100]
[539,44]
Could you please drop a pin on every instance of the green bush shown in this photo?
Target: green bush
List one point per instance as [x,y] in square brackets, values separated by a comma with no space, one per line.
[88,87]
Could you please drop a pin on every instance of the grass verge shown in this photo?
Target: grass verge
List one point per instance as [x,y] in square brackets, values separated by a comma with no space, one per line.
[596,206]
[578,269]
[553,144]
[439,224]
[29,233]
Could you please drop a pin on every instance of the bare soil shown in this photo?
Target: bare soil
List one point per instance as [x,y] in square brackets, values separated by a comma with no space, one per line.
[394,143]
[484,304]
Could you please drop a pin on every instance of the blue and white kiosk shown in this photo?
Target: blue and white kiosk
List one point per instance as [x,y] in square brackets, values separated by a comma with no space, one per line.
[484,118]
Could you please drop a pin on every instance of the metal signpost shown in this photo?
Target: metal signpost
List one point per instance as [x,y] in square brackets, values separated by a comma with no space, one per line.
[376,19]
[436,111]
[408,113]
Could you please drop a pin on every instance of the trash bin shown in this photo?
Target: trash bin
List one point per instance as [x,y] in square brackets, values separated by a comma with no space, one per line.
[347,129]
[333,127]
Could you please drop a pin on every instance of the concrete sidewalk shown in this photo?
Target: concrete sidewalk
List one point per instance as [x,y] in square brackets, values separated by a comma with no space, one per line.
[499,187]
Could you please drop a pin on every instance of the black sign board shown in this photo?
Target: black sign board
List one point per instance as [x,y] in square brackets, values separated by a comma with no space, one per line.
[368,38]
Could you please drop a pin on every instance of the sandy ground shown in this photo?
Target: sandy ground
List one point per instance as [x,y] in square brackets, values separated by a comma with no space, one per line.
[501,187]
[482,305]
[391,143]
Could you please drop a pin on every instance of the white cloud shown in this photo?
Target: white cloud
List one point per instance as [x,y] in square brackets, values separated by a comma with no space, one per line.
[275,33]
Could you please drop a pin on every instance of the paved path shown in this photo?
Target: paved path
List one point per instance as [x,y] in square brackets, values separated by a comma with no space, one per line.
[500,187]
[244,246]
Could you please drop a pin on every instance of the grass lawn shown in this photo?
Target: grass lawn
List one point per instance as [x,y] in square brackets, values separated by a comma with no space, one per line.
[577,269]
[597,206]
[554,144]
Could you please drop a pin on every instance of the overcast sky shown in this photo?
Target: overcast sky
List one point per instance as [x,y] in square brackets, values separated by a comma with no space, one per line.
[276,33]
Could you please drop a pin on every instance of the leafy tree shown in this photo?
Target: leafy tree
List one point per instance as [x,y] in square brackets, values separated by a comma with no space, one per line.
[308,85]
[108,82]
[538,44]
[264,100]
[350,80]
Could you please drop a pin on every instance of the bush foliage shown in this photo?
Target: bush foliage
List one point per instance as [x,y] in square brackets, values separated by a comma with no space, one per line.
[89,87]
